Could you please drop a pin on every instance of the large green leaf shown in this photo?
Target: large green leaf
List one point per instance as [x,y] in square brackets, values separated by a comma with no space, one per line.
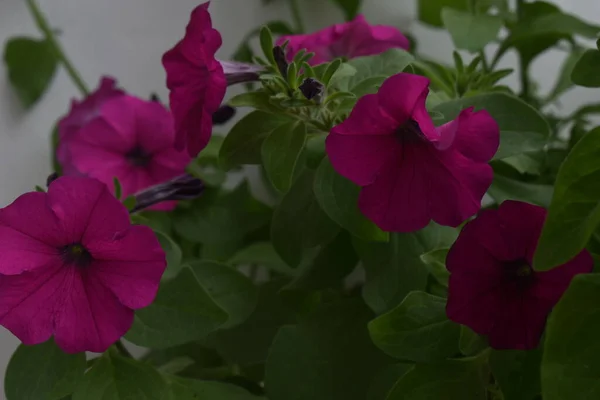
[430,11]
[571,360]
[191,389]
[204,297]
[249,343]
[522,128]
[117,378]
[42,372]
[173,252]
[471,32]
[585,72]
[31,65]
[517,372]
[449,380]
[299,223]
[261,254]
[417,330]
[280,153]
[504,188]
[396,268]
[379,66]
[338,197]
[244,142]
[329,356]
[575,209]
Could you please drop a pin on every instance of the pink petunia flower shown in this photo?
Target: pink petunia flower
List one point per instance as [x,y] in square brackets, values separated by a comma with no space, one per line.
[412,172]
[493,289]
[130,139]
[198,81]
[83,112]
[352,39]
[74,267]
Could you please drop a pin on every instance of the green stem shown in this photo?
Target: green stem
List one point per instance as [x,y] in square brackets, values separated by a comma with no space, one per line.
[296,14]
[122,349]
[484,63]
[43,26]
[523,67]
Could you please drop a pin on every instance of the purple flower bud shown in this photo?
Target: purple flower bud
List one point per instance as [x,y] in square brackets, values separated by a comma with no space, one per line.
[184,187]
[312,88]
[223,114]
[236,72]
[282,64]
[51,178]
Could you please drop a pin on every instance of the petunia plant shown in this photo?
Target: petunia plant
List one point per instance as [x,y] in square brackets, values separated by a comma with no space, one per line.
[358,222]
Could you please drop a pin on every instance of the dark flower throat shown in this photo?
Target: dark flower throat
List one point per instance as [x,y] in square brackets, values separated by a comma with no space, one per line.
[410,132]
[138,157]
[77,255]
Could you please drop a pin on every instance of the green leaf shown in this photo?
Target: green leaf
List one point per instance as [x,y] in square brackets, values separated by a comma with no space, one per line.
[383,65]
[585,72]
[118,378]
[430,10]
[570,364]
[349,7]
[42,372]
[243,143]
[299,223]
[435,261]
[258,99]
[281,151]
[191,389]
[416,330]
[522,128]
[244,52]
[394,269]
[504,188]
[517,373]
[328,267]
[338,197]
[263,254]
[471,32]
[575,209]
[470,343]
[266,44]
[564,81]
[328,356]
[385,380]
[174,255]
[204,297]
[249,343]
[31,65]
[451,380]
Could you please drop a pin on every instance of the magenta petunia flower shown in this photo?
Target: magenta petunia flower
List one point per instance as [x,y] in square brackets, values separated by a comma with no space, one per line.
[352,39]
[130,139]
[198,81]
[83,112]
[493,289]
[410,171]
[74,267]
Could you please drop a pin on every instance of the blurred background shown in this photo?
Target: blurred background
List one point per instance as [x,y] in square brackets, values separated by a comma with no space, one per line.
[126,39]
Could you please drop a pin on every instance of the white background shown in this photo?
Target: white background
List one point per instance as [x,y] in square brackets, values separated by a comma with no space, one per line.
[126,39]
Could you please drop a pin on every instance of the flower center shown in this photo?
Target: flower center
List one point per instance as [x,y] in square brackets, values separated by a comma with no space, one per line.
[520,271]
[138,157]
[76,254]
[410,132]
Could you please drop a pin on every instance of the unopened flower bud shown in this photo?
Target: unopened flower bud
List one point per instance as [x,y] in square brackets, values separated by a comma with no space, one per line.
[184,187]
[51,178]
[282,64]
[312,89]
[223,114]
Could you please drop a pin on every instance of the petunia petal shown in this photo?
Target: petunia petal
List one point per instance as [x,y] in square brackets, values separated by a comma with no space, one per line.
[477,135]
[398,200]
[31,215]
[360,157]
[138,243]
[90,318]
[154,129]
[86,209]
[367,118]
[21,253]
[29,302]
[457,186]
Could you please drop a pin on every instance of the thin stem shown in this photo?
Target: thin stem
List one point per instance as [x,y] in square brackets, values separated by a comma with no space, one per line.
[297,15]
[122,349]
[43,26]
[523,67]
